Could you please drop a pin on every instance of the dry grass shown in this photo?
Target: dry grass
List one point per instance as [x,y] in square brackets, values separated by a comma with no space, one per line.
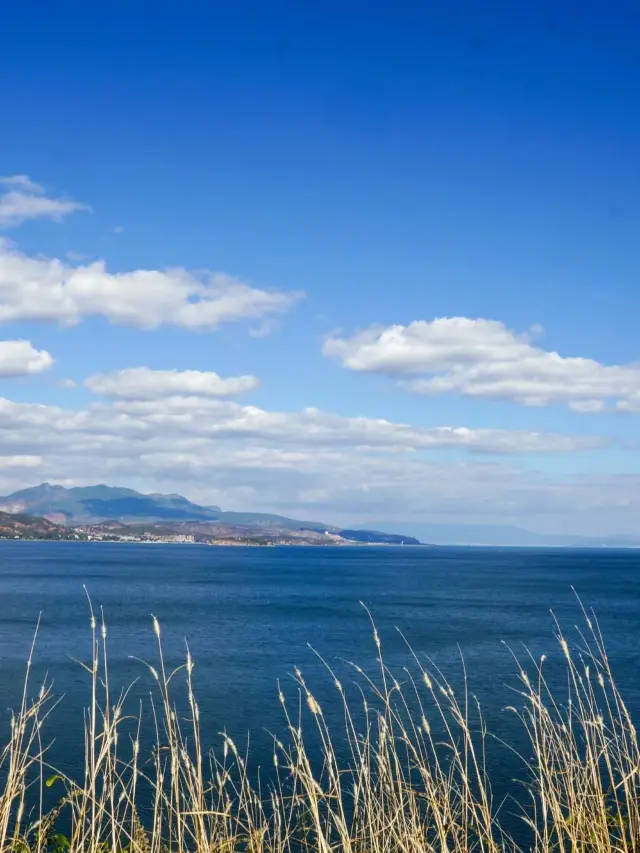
[410,774]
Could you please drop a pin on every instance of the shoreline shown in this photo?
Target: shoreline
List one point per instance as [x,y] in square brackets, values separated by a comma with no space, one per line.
[231,544]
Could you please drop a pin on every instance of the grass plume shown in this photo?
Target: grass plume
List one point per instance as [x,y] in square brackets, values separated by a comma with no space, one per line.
[402,768]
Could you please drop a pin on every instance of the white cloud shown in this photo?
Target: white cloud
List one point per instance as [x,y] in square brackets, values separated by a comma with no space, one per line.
[196,423]
[21,182]
[76,257]
[24,199]
[210,429]
[311,427]
[21,358]
[306,463]
[20,462]
[484,359]
[142,383]
[37,288]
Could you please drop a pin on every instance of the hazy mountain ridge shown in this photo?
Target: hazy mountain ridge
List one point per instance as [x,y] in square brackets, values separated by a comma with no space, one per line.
[506,535]
[110,505]
[102,504]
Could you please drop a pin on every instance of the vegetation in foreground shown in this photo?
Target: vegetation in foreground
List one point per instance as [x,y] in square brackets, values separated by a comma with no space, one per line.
[398,786]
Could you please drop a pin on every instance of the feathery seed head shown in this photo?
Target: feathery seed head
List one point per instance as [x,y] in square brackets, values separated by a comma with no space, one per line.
[313,705]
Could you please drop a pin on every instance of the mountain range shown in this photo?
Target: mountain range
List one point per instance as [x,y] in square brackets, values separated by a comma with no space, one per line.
[102,503]
[98,504]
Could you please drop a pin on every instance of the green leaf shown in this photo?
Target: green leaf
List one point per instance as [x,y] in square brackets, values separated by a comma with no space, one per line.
[51,781]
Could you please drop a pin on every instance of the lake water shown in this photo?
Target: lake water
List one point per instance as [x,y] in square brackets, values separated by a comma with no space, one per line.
[249,615]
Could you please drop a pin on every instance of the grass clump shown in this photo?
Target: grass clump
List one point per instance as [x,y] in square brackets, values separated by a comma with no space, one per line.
[403,769]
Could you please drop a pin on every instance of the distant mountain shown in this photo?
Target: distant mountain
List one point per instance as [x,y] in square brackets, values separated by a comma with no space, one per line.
[267,519]
[506,535]
[20,525]
[100,504]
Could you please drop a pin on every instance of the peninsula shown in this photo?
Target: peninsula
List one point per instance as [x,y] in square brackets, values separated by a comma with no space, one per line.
[110,514]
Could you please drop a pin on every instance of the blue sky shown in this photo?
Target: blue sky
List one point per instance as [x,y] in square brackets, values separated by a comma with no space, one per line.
[352,165]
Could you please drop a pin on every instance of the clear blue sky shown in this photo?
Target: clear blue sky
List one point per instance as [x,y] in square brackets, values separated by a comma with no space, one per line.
[396,163]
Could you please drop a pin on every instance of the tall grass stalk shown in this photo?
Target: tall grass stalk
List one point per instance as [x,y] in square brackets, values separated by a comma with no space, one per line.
[402,768]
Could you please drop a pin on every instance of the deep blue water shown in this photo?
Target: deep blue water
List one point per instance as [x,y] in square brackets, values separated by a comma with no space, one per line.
[249,615]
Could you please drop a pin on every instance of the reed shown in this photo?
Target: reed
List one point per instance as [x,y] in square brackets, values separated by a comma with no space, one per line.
[410,774]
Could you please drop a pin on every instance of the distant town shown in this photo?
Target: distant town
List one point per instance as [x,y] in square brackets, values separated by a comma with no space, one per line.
[97,534]
[94,533]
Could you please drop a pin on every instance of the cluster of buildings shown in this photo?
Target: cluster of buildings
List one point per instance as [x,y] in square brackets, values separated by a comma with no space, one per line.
[114,536]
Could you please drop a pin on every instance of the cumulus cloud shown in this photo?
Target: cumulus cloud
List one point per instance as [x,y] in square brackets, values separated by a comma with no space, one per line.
[21,358]
[48,289]
[484,359]
[142,383]
[23,199]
